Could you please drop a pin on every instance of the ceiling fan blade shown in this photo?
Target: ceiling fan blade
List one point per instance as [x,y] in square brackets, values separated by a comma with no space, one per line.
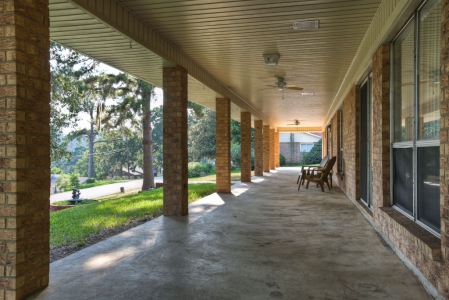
[295,88]
[271,85]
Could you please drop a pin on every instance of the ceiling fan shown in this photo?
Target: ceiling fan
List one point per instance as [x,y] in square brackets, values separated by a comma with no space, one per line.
[295,123]
[281,85]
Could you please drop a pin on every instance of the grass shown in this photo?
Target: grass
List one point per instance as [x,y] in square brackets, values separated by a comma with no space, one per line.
[65,202]
[74,226]
[235,176]
[98,183]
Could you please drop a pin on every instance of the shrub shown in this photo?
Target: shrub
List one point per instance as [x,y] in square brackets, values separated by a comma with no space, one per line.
[282,161]
[56,170]
[90,180]
[74,180]
[315,154]
[63,182]
[197,169]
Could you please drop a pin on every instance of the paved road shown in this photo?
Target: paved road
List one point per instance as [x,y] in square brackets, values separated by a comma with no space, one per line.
[102,190]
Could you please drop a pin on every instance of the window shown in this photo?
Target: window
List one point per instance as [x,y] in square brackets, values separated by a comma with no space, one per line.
[416,117]
[306,147]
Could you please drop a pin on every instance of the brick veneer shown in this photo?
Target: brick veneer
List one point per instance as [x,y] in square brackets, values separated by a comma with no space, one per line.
[381,124]
[258,147]
[24,147]
[245,146]
[223,145]
[175,141]
[266,148]
[272,151]
[276,149]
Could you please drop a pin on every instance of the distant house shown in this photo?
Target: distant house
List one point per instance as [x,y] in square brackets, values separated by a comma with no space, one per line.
[300,143]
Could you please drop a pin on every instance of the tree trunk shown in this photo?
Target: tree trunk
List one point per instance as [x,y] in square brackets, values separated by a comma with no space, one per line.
[90,168]
[147,142]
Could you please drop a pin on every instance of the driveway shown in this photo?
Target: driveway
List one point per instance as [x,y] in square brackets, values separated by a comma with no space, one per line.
[102,190]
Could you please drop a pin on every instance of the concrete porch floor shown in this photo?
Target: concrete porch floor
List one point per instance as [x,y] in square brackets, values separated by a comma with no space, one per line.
[265,241]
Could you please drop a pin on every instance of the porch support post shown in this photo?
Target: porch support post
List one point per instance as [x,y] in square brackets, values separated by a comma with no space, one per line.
[258,148]
[175,142]
[272,150]
[24,148]
[276,149]
[266,148]
[245,151]
[223,145]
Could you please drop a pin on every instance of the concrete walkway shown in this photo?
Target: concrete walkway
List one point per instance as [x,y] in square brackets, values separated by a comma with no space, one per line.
[264,241]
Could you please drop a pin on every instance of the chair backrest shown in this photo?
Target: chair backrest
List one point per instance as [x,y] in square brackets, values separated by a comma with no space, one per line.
[324,161]
[329,167]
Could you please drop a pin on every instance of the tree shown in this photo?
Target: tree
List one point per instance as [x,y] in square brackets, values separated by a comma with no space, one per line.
[135,99]
[67,67]
[202,136]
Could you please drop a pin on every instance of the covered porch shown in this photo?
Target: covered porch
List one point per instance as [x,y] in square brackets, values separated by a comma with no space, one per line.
[265,240]
[372,76]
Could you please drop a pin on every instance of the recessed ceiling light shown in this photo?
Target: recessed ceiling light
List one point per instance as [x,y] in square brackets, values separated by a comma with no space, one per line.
[306,25]
[307,93]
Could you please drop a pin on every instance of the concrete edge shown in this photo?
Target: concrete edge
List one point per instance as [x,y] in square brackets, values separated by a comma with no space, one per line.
[430,289]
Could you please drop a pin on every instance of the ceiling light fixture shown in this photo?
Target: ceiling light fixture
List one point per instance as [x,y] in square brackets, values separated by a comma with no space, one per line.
[307,93]
[271,59]
[306,25]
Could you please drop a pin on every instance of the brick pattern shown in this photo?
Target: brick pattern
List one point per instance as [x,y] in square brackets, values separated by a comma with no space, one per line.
[24,147]
[266,148]
[276,149]
[245,146]
[424,253]
[381,127]
[284,149]
[258,147]
[175,141]
[350,181]
[223,145]
[272,151]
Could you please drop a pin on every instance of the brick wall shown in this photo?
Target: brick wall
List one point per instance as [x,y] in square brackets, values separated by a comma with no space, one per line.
[276,144]
[223,145]
[266,148]
[272,151]
[245,146]
[24,147]
[285,151]
[258,148]
[381,127]
[175,141]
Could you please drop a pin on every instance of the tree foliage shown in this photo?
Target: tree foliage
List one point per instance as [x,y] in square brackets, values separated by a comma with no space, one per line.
[315,154]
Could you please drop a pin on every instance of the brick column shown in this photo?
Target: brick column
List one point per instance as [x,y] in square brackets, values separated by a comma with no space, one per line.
[245,150]
[276,149]
[24,148]
[272,151]
[223,145]
[175,142]
[381,127]
[444,132]
[266,148]
[258,148]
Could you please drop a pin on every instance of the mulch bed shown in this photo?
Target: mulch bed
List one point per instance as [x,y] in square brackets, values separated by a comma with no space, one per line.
[63,251]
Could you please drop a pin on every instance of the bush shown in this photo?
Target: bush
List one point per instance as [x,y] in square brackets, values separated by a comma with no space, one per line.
[282,161]
[235,156]
[197,169]
[315,155]
[74,180]
[63,182]
[90,180]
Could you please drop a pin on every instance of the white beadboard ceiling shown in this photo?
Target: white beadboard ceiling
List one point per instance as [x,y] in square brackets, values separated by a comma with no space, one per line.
[227,40]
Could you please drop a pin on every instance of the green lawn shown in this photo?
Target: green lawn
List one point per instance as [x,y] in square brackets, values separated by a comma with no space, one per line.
[74,226]
[235,176]
[99,183]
